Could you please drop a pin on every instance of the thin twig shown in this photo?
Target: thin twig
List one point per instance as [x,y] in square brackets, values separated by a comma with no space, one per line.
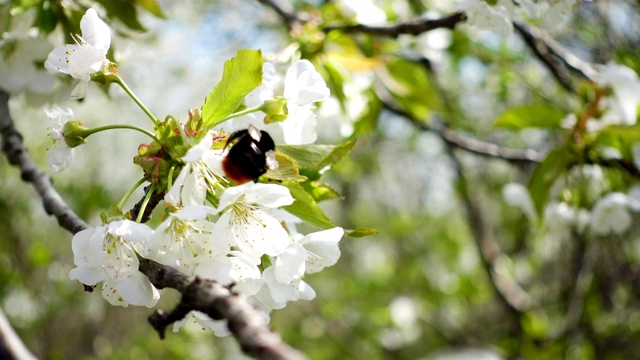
[453,138]
[410,27]
[290,17]
[512,296]
[551,52]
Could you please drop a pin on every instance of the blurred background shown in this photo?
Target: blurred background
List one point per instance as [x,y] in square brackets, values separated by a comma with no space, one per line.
[454,272]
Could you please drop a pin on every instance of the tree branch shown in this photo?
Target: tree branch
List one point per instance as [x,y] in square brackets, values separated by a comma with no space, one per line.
[290,17]
[411,27]
[244,321]
[556,58]
[512,296]
[11,346]
[17,155]
[455,139]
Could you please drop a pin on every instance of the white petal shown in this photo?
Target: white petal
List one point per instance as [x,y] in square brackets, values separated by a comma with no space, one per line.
[173,195]
[303,85]
[95,32]
[322,248]
[136,290]
[255,234]
[267,195]
[57,59]
[306,291]
[290,265]
[300,127]
[196,152]
[59,157]
[80,90]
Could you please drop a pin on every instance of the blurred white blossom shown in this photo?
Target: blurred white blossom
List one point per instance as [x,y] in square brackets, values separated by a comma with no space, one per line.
[622,106]
[109,254]
[611,215]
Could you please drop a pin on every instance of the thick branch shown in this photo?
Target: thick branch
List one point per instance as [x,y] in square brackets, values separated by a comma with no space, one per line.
[245,322]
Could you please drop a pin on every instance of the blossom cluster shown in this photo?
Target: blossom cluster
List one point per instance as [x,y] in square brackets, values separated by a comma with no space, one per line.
[214,228]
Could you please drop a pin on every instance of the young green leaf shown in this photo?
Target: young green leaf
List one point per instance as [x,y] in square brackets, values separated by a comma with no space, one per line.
[317,158]
[530,116]
[240,76]
[305,207]
[319,191]
[287,169]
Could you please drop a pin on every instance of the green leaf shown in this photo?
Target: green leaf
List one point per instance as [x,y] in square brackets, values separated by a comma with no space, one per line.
[240,76]
[544,176]
[411,86]
[539,115]
[287,169]
[124,11]
[47,19]
[628,134]
[319,191]
[360,232]
[317,158]
[153,7]
[305,207]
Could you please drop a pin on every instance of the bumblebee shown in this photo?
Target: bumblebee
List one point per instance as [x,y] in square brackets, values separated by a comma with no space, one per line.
[252,153]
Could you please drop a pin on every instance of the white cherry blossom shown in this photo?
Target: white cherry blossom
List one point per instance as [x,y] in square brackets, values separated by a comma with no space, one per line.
[310,254]
[87,56]
[185,239]
[109,254]
[275,295]
[302,87]
[246,222]
[610,214]
[622,106]
[201,172]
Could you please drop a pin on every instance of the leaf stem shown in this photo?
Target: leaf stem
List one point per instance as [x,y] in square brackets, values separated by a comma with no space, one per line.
[94,130]
[133,188]
[145,202]
[129,92]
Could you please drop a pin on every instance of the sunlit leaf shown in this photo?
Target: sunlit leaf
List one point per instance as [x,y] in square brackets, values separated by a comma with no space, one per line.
[319,191]
[305,207]
[240,76]
[530,116]
[287,169]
